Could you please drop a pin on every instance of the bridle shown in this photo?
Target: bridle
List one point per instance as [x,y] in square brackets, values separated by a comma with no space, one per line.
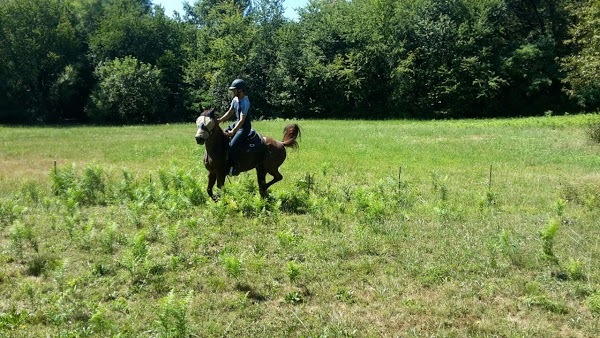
[202,125]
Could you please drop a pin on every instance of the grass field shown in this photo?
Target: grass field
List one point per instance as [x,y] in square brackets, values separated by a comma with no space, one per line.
[379,229]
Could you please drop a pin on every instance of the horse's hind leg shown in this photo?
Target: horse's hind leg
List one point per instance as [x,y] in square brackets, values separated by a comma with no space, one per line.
[261,177]
[276,178]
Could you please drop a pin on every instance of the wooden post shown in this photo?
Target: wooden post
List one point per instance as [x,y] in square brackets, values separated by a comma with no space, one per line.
[490,179]
[54,166]
[399,178]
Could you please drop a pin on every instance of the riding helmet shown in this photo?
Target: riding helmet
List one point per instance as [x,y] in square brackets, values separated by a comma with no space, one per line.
[238,84]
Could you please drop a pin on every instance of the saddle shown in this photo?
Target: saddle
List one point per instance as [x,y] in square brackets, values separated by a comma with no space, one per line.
[253,143]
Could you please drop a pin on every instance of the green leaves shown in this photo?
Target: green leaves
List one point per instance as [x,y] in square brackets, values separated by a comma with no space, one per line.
[128,91]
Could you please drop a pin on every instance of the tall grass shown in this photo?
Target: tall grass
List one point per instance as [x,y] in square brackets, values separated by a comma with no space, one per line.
[121,240]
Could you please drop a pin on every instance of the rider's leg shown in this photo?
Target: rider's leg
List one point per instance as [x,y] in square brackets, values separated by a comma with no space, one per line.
[234,150]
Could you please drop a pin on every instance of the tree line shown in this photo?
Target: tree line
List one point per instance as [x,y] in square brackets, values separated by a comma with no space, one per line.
[127,61]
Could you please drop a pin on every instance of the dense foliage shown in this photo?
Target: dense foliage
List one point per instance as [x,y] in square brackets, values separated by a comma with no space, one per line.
[342,59]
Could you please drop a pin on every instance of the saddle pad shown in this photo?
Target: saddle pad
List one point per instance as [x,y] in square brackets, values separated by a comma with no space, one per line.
[254,142]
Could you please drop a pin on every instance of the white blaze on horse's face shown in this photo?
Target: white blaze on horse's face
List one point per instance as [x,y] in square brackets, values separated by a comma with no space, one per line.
[206,125]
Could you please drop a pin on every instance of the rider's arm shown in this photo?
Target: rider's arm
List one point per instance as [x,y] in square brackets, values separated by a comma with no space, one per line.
[226,116]
[239,124]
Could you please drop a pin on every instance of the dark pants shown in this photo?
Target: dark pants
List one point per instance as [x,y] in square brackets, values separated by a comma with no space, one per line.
[235,145]
[237,140]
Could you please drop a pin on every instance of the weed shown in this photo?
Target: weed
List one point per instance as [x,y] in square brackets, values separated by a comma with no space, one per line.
[30,291]
[325,167]
[128,186]
[218,212]
[233,265]
[297,202]
[288,238]
[41,264]
[371,205]
[139,248]
[293,271]
[31,191]
[251,206]
[294,298]
[592,200]
[505,244]
[548,235]
[345,295]
[575,270]
[440,185]
[172,316]
[63,180]
[90,189]
[435,274]
[593,303]
[110,238]
[12,320]
[546,303]
[9,212]
[99,321]
[93,186]
[488,200]
[559,207]
[306,183]
[101,269]
[20,235]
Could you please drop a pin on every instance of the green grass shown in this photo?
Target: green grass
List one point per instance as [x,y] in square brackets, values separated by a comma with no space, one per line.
[378,229]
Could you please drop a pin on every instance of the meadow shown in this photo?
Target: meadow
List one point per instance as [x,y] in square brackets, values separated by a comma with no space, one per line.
[479,228]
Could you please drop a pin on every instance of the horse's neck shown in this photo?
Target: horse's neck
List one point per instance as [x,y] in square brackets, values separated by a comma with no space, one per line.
[216,145]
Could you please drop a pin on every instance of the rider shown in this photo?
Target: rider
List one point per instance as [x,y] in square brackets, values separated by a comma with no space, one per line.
[240,129]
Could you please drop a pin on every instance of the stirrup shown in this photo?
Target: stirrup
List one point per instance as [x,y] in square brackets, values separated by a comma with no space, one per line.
[233,171]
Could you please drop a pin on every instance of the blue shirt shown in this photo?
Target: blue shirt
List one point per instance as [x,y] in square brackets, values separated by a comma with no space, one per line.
[240,107]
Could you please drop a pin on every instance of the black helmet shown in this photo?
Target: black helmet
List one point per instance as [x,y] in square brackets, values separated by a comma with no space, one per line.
[238,84]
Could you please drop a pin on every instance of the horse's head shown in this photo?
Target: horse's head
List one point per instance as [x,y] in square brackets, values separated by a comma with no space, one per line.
[206,122]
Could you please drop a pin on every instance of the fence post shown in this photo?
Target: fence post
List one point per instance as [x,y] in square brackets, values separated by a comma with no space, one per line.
[490,179]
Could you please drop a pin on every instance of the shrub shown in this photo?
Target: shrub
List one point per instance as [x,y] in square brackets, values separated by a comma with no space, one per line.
[9,212]
[90,189]
[128,91]
[297,202]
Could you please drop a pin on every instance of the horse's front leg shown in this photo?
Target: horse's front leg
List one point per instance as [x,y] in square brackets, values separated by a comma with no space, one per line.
[212,178]
[221,180]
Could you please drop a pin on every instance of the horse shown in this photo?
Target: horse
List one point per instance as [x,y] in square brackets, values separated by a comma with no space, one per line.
[266,160]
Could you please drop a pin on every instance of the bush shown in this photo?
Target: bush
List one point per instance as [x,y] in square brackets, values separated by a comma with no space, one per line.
[128,91]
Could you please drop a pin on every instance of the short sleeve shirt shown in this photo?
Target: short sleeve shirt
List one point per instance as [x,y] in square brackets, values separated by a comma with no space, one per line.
[241,107]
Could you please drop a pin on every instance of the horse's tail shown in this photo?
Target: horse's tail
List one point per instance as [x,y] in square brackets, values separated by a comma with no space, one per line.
[290,133]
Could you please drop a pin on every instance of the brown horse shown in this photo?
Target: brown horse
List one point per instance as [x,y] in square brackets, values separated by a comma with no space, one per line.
[266,160]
